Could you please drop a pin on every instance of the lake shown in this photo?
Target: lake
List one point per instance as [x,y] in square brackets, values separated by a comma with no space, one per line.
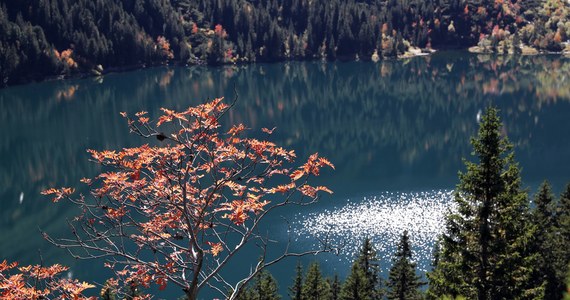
[396,131]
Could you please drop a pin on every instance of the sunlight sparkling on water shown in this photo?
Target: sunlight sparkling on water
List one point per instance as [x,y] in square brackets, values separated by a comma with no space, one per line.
[383,218]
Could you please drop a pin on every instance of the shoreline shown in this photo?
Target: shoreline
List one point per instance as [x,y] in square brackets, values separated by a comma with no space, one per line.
[525,51]
[410,53]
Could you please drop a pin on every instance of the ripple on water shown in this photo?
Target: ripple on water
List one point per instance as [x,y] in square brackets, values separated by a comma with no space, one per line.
[383,218]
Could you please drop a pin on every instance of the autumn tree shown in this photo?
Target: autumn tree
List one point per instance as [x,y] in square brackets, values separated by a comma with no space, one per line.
[403,282]
[482,253]
[179,210]
[38,282]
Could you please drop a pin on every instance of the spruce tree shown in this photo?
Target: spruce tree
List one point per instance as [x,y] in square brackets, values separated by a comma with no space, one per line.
[403,282]
[561,251]
[562,214]
[335,288]
[364,282]
[295,291]
[355,286]
[264,287]
[315,286]
[369,262]
[247,293]
[543,241]
[483,252]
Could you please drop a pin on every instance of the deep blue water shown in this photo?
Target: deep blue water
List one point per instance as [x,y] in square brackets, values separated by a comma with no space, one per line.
[395,130]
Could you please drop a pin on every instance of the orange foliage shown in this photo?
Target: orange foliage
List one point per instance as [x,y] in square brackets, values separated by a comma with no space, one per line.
[164,47]
[37,282]
[220,31]
[557,37]
[65,57]
[58,193]
[385,28]
[67,93]
[481,10]
[192,201]
[216,248]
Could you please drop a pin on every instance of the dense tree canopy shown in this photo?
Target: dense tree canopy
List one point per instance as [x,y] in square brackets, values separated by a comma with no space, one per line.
[61,37]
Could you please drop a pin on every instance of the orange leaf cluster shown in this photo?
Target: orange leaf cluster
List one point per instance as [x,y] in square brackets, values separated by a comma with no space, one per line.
[220,31]
[58,193]
[37,282]
[65,57]
[215,248]
[164,47]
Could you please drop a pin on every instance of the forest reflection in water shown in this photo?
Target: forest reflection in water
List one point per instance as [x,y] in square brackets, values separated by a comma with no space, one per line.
[398,125]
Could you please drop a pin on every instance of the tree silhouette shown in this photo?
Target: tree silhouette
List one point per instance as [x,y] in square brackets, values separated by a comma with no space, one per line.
[403,283]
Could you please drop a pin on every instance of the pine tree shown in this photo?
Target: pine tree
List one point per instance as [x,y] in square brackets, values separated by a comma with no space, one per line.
[356,286]
[562,214]
[315,287]
[296,290]
[368,260]
[403,282]
[247,293]
[561,254]
[482,253]
[363,282]
[543,240]
[335,288]
[264,287]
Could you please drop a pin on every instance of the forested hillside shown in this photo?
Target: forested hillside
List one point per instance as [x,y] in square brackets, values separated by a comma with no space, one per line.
[41,38]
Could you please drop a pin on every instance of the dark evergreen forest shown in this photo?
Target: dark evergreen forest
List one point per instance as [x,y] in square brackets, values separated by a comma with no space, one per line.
[43,38]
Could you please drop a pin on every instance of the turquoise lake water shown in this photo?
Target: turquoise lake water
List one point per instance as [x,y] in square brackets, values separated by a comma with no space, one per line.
[396,131]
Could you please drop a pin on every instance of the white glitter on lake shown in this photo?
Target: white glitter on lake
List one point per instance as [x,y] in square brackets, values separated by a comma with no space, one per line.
[383,218]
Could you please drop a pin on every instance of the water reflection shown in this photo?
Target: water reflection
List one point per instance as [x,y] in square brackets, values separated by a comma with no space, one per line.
[394,125]
[383,218]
